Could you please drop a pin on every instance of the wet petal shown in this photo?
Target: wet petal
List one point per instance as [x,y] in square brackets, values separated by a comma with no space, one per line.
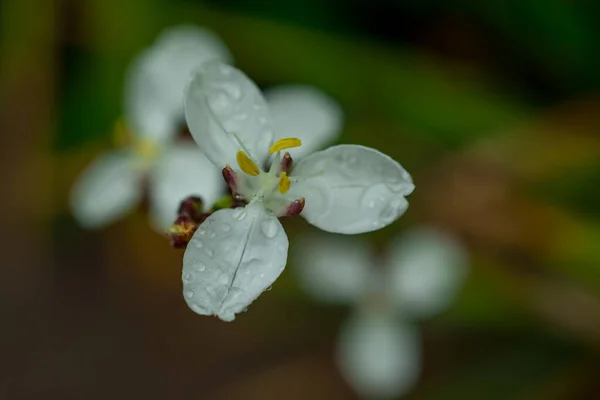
[157,78]
[332,268]
[354,189]
[108,189]
[306,113]
[234,256]
[220,103]
[378,355]
[426,270]
[182,171]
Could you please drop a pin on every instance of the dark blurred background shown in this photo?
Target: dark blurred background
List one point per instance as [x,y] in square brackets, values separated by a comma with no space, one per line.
[493,106]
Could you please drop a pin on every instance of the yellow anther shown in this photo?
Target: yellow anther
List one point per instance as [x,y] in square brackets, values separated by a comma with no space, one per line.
[246,164]
[147,149]
[121,134]
[283,144]
[284,183]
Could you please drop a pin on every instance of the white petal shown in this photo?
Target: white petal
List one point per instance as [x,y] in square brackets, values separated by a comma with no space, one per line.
[306,113]
[156,80]
[182,171]
[378,355]
[221,101]
[426,270]
[229,263]
[355,189]
[332,268]
[108,189]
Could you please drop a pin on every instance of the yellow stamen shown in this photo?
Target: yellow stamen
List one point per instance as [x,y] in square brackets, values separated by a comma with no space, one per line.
[284,183]
[146,149]
[283,144]
[246,164]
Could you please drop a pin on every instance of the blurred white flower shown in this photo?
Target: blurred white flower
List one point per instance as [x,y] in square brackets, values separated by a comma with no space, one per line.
[378,349]
[236,254]
[112,185]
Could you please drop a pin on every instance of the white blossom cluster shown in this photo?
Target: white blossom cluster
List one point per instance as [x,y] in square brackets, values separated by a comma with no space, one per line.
[378,347]
[265,147]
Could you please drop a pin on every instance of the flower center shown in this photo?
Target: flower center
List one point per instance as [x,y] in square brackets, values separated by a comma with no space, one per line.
[261,184]
[146,150]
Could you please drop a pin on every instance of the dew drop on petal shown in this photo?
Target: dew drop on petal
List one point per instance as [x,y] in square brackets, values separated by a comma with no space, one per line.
[225,69]
[200,267]
[209,252]
[223,280]
[269,228]
[373,196]
[199,309]
[188,277]
[239,214]
[391,212]
[189,294]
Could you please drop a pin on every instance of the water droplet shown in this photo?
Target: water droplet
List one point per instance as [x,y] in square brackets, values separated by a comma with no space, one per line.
[231,90]
[199,309]
[262,120]
[199,244]
[219,101]
[241,116]
[262,276]
[223,280]
[392,211]
[209,252]
[374,197]
[200,267]
[239,213]
[188,277]
[269,228]
[269,288]
[211,234]
[398,186]
[201,231]
[225,70]
[189,294]
[225,228]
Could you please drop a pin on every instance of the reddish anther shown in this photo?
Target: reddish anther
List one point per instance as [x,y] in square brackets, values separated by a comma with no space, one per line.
[286,163]
[294,208]
[191,207]
[181,232]
[231,179]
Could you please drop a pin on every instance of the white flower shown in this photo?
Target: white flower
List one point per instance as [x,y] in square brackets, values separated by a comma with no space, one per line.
[378,349]
[113,184]
[237,254]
